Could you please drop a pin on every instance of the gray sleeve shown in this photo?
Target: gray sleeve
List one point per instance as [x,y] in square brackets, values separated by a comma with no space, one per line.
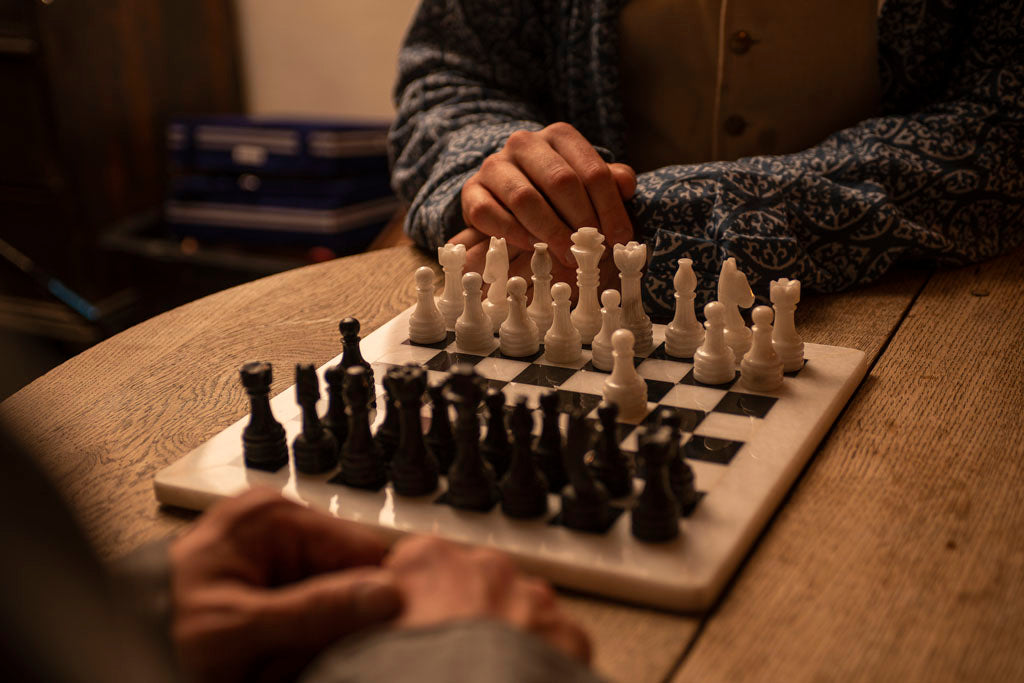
[461,651]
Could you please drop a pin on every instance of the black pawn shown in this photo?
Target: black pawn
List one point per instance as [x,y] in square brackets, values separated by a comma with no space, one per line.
[361,464]
[524,491]
[549,443]
[413,469]
[315,448]
[471,480]
[336,420]
[263,440]
[656,515]
[585,500]
[496,448]
[351,355]
[439,437]
[680,474]
[610,464]
[389,430]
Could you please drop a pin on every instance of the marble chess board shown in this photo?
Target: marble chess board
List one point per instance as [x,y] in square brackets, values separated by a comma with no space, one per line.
[746,449]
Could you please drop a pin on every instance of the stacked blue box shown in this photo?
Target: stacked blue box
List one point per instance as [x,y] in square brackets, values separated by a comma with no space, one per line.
[271,181]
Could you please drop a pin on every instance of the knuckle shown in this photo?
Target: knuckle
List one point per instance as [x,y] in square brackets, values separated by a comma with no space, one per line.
[560,129]
[596,174]
[563,179]
[518,139]
[521,197]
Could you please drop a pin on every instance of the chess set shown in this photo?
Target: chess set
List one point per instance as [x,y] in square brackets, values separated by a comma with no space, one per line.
[619,457]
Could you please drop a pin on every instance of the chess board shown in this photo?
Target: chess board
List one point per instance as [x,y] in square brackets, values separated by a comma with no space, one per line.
[745,447]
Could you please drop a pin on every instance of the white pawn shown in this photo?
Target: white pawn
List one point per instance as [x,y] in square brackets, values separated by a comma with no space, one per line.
[761,368]
[452,258]
[625,387]
[518,334]
[684,334]
[562,343]
[540,310]
[784,295]
[611,320]
[473,329]
[630,259]
[426,324]
[734,292]
[714,362]
[496,275]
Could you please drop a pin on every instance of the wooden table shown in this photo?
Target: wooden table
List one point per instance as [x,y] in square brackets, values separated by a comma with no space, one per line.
[899,554]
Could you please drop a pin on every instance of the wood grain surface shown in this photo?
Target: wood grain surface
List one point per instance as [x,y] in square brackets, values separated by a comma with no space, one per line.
[111,417]
[900,555]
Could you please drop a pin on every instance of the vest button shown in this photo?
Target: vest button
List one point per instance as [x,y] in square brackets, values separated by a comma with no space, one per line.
[735,125]
[741,42]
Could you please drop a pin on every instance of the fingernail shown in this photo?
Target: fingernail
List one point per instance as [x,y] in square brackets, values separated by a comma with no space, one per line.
[376,600]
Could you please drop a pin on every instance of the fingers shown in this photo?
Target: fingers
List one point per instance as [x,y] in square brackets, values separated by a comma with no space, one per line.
[482,211]
[596,177]
[468,237]
[625,178]
[309,615]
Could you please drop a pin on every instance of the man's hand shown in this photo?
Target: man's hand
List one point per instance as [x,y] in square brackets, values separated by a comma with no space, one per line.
[442,582]
[544,185]
[260,585]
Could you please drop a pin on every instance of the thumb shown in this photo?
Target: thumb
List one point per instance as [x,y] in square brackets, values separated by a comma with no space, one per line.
[625,178]
[309,615]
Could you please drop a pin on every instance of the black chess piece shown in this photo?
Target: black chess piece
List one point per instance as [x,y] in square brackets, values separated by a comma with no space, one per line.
[336,420]
[471,483]
[389,430]
[413,468]
[655,518]
[610,465]
[315,449]
[524,491]
[496,448]
[585,500]
[361,464]
[680,474]
[263,440]
[439,437]
[549,444]
[351,355]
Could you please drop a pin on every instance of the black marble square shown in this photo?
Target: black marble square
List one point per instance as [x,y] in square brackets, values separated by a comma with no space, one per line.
[688,417]
[446,360]
[746,405]
[688,510]
[709,449]
[637,360]
[529,359]
[622,429]
[544,375]
[656,389]
[449,337]
[571,401]
[688,379]
[659,353]
[794,373]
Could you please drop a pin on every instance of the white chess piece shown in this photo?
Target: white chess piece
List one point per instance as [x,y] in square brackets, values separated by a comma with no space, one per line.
[625,387]
[452,258]
[761,368]
[611,320]
[714,362]
[562,343]
[473,329]
[540,310]
[496,275]
[630,259]
[426,324]
[785,294]
[684,334]
[734,292]
[587,249]
[518,334]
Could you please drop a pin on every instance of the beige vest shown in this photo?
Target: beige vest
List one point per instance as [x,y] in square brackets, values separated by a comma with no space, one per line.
[709,80]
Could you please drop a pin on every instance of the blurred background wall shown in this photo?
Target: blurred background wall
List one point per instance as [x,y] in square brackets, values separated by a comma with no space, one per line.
[345,50]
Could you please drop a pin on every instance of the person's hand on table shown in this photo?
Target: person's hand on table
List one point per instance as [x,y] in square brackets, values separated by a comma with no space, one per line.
[442,582]
[541,187]
[260,585]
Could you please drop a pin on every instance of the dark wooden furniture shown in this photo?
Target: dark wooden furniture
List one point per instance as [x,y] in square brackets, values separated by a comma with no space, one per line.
[897,555]
[87,90]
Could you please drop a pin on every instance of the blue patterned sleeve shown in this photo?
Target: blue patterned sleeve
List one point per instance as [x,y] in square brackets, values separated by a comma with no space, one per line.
[460,94]
[939,177]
